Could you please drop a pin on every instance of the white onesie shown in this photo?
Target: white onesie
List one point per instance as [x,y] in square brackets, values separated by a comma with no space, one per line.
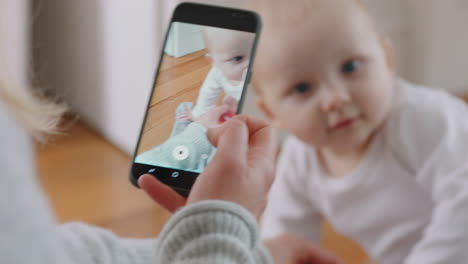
[214,84]
[406,202]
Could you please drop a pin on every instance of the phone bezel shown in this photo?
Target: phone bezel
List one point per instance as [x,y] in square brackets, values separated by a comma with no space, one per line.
[206,15]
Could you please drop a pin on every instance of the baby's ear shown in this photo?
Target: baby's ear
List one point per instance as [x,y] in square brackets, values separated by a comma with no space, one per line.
[389,54]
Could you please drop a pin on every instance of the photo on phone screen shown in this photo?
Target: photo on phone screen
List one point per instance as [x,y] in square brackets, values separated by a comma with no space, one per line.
[201,81]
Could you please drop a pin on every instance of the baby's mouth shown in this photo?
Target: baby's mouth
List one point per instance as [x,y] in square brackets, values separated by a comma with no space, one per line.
[344,123]
[343,119]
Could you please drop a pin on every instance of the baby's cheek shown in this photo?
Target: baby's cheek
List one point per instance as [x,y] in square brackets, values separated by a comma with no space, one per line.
[229,74]
[312,128]
[237,75]
[376,105]
[238,72]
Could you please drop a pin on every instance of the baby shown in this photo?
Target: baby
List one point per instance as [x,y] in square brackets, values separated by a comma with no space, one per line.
[383,159]
[229,51]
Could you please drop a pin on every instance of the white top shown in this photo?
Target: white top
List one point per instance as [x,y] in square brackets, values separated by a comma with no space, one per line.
[207,232]
[406,202]
[214,84]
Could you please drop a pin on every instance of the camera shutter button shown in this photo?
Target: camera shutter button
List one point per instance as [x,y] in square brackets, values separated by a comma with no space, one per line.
[181,152]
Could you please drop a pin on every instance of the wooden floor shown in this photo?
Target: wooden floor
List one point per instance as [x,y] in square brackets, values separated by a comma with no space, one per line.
[86,179]
[179,81]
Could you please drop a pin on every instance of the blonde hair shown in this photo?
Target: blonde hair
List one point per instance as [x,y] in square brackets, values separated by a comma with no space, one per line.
[39,115]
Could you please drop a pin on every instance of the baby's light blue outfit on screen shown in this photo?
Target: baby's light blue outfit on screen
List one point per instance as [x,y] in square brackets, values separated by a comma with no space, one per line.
[189,150]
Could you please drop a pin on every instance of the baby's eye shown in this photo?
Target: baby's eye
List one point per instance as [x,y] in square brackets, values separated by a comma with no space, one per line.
[302,88]
[237,59]
[351,67]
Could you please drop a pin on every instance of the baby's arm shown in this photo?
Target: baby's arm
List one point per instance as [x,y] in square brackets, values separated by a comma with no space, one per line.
[439,155]
[209,93]
[289,208]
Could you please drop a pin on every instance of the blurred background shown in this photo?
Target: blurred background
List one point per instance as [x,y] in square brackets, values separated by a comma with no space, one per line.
[100,57]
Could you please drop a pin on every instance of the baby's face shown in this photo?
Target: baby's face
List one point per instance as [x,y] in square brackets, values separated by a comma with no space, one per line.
[230,51]
[328,81]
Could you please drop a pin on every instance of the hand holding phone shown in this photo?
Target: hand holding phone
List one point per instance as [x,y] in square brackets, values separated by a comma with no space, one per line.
[241,171]
[206,57]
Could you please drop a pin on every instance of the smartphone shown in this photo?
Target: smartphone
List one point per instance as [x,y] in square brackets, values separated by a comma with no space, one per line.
[204,71]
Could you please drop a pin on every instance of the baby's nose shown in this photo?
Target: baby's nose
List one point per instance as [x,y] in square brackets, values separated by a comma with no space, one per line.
[334,98]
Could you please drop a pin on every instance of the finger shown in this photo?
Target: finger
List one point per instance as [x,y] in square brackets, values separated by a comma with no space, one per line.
[214,133]
[230,161]
[315,254]
[262,142]
[232,142]
[161,193]
[263,147]
[253,124]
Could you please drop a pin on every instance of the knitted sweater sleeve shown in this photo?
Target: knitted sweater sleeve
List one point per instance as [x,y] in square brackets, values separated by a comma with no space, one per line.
[211,232]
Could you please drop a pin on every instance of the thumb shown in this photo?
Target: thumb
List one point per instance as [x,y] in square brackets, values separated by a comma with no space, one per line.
[231,139]
[161,193]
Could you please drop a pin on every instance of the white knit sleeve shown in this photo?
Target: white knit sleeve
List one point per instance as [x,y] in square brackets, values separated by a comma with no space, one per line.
[209,92]
[211,232]
[434,137]
[289,206]
[28,230]
[92,245]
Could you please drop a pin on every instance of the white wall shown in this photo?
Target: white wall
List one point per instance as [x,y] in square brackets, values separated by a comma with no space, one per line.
[439,43]
[184,39]
[430,38]
[392,19]
[14,40]
[101,55]
[130,56]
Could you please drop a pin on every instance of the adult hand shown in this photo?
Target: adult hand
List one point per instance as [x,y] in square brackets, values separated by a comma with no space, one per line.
[241,171]
[212,117]
[292,249]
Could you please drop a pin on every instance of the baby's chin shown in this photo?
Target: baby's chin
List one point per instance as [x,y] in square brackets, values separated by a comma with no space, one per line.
[351,142]
[234,78]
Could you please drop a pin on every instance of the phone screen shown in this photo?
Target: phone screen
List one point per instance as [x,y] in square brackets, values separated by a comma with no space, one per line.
[202,77]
